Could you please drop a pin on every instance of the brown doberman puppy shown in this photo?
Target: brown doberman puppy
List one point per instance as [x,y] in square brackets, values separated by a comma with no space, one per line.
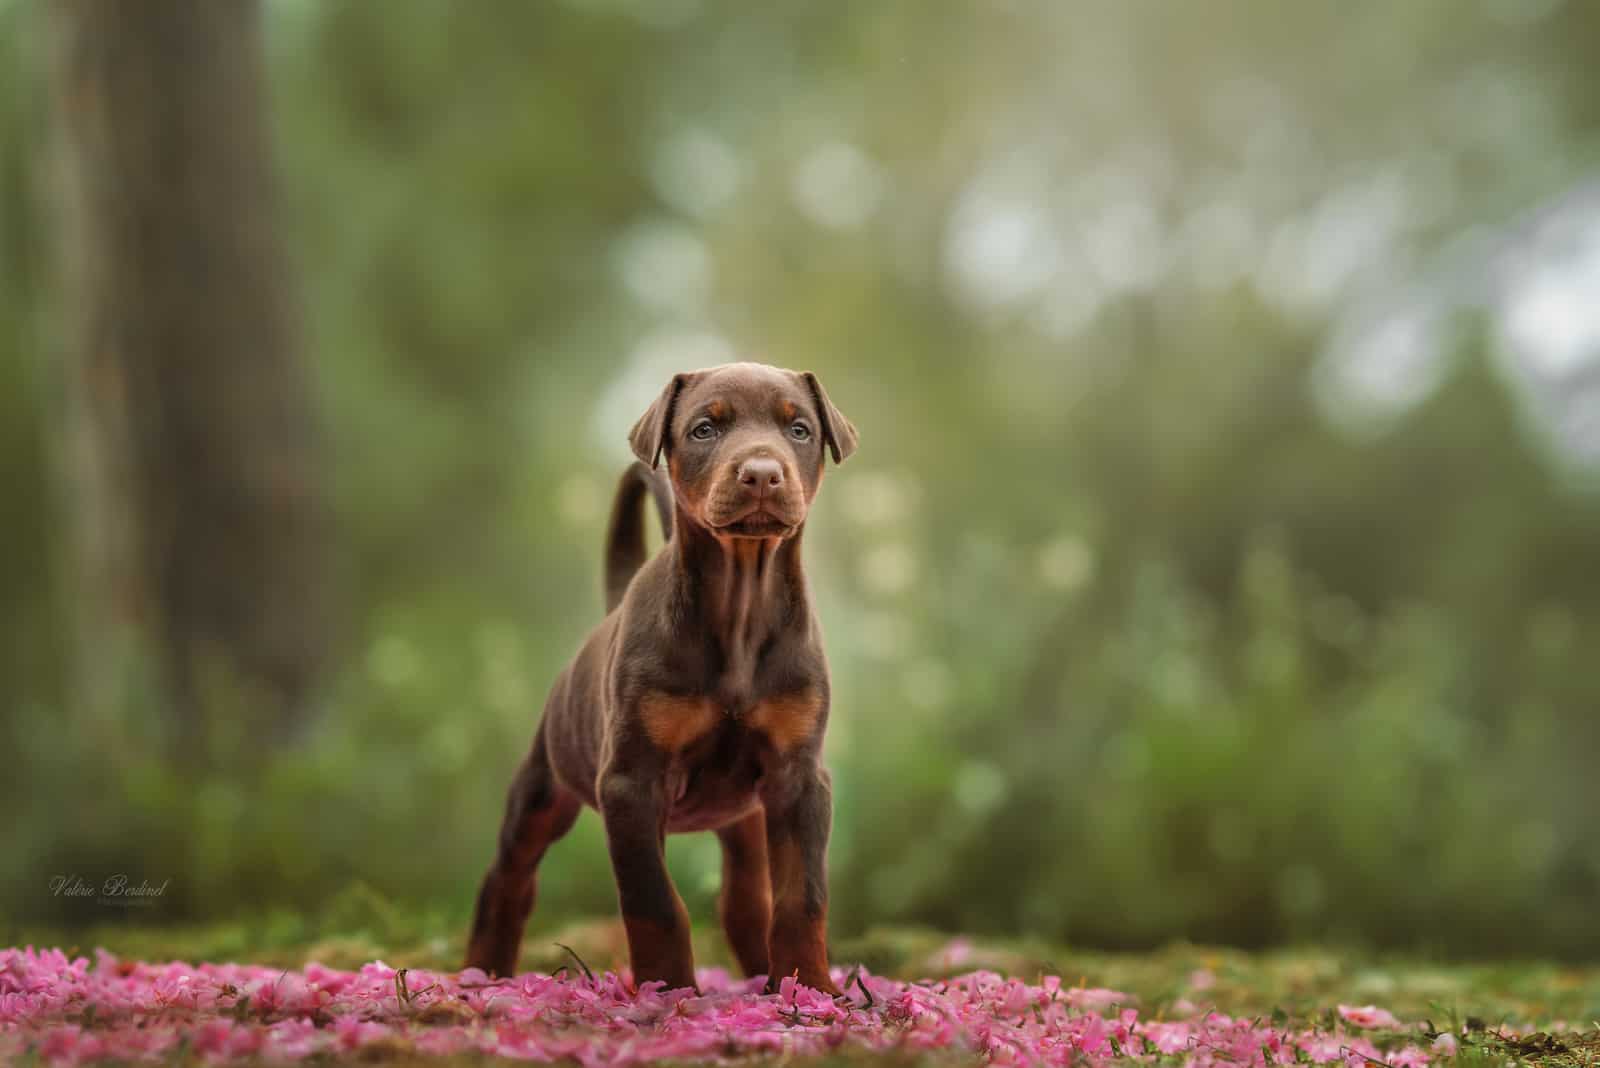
[699,703]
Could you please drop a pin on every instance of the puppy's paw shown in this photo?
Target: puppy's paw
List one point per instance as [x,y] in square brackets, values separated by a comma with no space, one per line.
[816,980]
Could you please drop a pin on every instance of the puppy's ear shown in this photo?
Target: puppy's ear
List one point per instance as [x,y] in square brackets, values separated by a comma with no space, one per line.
[838,431]
[649,435]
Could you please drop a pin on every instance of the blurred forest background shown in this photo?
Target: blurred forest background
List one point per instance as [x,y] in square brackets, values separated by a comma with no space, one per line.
[1221,561]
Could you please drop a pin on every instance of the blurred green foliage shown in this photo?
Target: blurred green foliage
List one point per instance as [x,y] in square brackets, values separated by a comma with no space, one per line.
[1161,604]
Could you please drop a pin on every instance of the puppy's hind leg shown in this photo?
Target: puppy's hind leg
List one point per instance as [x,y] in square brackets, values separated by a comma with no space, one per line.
[539,810]
[745,903]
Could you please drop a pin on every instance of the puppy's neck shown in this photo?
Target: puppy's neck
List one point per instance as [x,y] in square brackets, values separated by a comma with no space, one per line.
[744,590]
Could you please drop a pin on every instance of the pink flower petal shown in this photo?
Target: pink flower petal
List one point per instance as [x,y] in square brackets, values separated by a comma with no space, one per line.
[229,1013]
[1369,1017]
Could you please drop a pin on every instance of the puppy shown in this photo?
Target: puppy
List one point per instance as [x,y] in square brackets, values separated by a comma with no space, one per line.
[699,702]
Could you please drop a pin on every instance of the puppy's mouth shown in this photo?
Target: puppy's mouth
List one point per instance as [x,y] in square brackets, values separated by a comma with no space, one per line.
[757,523]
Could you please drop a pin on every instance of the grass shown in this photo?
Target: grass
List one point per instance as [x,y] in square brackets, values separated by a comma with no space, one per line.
[1554,1008]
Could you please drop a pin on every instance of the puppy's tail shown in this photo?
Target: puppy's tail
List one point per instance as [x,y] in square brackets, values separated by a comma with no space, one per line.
[625,532]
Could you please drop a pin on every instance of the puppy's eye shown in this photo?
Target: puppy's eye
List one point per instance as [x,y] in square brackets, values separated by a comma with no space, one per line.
[704,430]
[800,432]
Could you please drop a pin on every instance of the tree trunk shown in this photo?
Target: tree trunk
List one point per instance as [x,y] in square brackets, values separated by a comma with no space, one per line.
[194,447]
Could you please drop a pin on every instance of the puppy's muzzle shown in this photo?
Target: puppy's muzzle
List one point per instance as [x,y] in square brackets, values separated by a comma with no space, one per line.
[757,498]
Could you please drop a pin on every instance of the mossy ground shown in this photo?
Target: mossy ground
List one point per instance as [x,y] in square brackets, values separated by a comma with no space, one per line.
[1554,1008]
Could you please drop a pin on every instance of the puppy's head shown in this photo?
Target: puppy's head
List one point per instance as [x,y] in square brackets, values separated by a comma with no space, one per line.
[744,445]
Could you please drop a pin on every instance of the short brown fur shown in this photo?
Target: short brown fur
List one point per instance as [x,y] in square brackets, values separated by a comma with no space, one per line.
[788,719]
[674,722]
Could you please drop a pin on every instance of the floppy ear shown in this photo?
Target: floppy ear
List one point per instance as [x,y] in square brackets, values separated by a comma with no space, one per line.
[649,435]
[838,431]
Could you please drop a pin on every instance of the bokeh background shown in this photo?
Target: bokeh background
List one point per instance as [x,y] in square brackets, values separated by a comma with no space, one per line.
[1221,560]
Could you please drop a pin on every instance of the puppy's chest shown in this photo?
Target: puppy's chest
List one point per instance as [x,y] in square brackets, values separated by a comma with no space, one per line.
[718,753]
[698,728]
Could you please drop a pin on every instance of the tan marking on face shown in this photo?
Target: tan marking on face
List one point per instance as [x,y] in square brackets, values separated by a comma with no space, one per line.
[674,723]
[690,494]
[788,719]
[716,409]
[789,410]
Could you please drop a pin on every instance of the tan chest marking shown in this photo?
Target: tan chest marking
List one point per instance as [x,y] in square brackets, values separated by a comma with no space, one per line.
[787,719]
[674,723]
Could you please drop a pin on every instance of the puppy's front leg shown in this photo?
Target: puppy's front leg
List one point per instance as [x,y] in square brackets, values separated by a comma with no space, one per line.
[799,808]
[634,806]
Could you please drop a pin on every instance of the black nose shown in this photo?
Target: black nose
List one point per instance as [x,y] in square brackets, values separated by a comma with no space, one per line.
[761,473]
